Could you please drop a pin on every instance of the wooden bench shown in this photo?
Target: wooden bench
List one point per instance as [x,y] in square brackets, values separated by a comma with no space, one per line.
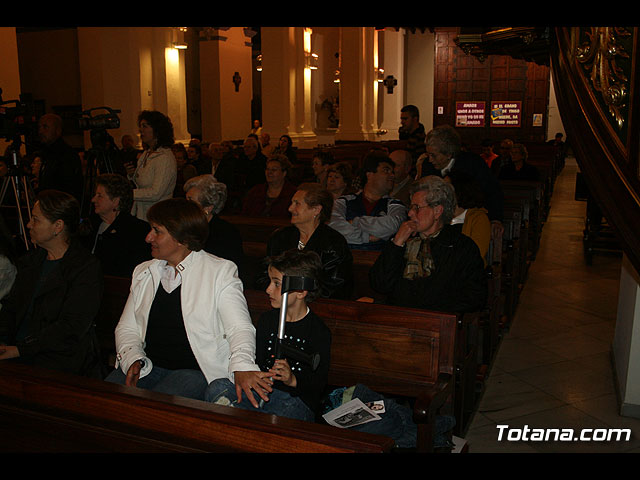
[52,412]
[399,352]
[407,352]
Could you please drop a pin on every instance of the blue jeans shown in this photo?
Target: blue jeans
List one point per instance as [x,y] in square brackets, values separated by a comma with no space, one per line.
[182,383]
[223,392]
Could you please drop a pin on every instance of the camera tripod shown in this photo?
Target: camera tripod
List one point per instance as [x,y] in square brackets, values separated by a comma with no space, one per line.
[20,188]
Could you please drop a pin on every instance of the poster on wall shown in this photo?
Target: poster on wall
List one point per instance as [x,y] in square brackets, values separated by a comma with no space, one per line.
[506,114]
[470,114]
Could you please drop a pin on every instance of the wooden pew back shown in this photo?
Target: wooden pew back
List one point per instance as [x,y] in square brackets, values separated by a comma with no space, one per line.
[48,411]
[394,351]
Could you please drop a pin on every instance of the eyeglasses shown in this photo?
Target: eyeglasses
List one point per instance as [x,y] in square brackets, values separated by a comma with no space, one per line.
[416,208]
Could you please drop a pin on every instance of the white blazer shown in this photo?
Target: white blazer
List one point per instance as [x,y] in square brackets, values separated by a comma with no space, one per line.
[214,310]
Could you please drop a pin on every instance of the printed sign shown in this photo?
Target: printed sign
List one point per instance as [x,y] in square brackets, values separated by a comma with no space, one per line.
[470,114]
[506,114]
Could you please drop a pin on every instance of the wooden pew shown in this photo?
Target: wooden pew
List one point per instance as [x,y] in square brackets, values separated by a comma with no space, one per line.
[47,411]
[404,352]
[407,352]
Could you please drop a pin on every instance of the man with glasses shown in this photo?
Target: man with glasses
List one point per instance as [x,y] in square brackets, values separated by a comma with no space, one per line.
[429,263]
[371,217]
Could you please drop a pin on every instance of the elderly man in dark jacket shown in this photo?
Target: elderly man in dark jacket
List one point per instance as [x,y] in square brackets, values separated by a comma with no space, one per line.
[428,263]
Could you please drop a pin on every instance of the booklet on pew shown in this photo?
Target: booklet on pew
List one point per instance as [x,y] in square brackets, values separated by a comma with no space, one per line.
[353,413]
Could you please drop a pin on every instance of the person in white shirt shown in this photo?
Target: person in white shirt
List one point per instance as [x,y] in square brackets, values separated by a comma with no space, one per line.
[186,321]
[156,171]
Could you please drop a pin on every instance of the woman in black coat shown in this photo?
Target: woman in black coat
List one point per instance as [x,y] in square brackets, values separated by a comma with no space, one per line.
[47,320]
[310,209]
[117,237]
[224,238]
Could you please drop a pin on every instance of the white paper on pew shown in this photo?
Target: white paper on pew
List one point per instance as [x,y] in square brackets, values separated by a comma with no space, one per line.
[352,413]
[459,444]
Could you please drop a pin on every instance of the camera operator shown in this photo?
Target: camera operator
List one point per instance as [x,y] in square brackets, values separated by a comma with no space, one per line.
[61,168]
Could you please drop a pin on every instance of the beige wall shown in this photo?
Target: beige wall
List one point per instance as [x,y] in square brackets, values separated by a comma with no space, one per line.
[9,73]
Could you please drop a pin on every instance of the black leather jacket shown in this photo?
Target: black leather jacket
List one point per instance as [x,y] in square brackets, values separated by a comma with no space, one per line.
[336,258]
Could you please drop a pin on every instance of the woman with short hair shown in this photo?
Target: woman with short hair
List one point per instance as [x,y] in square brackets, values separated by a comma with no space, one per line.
[429,263]
[271,199]
[224,238]
[117,237]
[186,320]
[339,178]
[47,320]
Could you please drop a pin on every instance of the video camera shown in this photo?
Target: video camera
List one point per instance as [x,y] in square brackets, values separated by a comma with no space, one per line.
[19,119]
[104,121]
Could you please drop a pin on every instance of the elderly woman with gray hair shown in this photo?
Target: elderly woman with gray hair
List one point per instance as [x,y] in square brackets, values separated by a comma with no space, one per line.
[428,263]
[224,239]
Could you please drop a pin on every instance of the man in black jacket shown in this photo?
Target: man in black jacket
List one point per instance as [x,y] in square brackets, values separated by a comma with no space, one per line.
[61,168]
[444,152]
[429,263]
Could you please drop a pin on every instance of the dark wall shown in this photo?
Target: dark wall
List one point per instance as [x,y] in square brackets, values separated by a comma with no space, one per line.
[460,77]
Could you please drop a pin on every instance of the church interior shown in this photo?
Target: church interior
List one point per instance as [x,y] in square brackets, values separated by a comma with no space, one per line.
[561,348]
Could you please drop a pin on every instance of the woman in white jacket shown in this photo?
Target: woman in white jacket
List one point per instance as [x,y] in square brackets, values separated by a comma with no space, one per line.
[186,321]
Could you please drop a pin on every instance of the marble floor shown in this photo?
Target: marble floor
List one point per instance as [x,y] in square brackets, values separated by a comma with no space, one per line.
[553,367]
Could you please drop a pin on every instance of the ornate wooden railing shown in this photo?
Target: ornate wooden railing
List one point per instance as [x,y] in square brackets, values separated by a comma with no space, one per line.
[595,80]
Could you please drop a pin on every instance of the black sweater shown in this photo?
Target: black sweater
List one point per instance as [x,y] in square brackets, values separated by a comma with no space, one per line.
[310,335]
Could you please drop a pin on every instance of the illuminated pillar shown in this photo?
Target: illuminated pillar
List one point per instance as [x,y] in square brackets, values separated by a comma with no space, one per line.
[358,84]
[288,67]
[132,69]
[9,73]
[393,64]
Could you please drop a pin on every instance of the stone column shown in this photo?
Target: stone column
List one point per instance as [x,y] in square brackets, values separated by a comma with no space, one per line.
[153,70]
[286,84]
[393,91]
[358,84]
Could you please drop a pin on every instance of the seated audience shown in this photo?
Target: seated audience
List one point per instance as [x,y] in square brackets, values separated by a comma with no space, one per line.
[184,170]
[117,238]
[321,163]
[429,263]
[285,147]
[487,154]
[47,320]
[252,163]
[371,217]
[310,210]
[470,217]
[518,168]
[286,386]
[224,239]
[271,199]
[266,147]
[403,166]
[155,173]
[8,258]
[444,150]
[197,158]
[186,321]
[339,179]
[503,158]
[412,131]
